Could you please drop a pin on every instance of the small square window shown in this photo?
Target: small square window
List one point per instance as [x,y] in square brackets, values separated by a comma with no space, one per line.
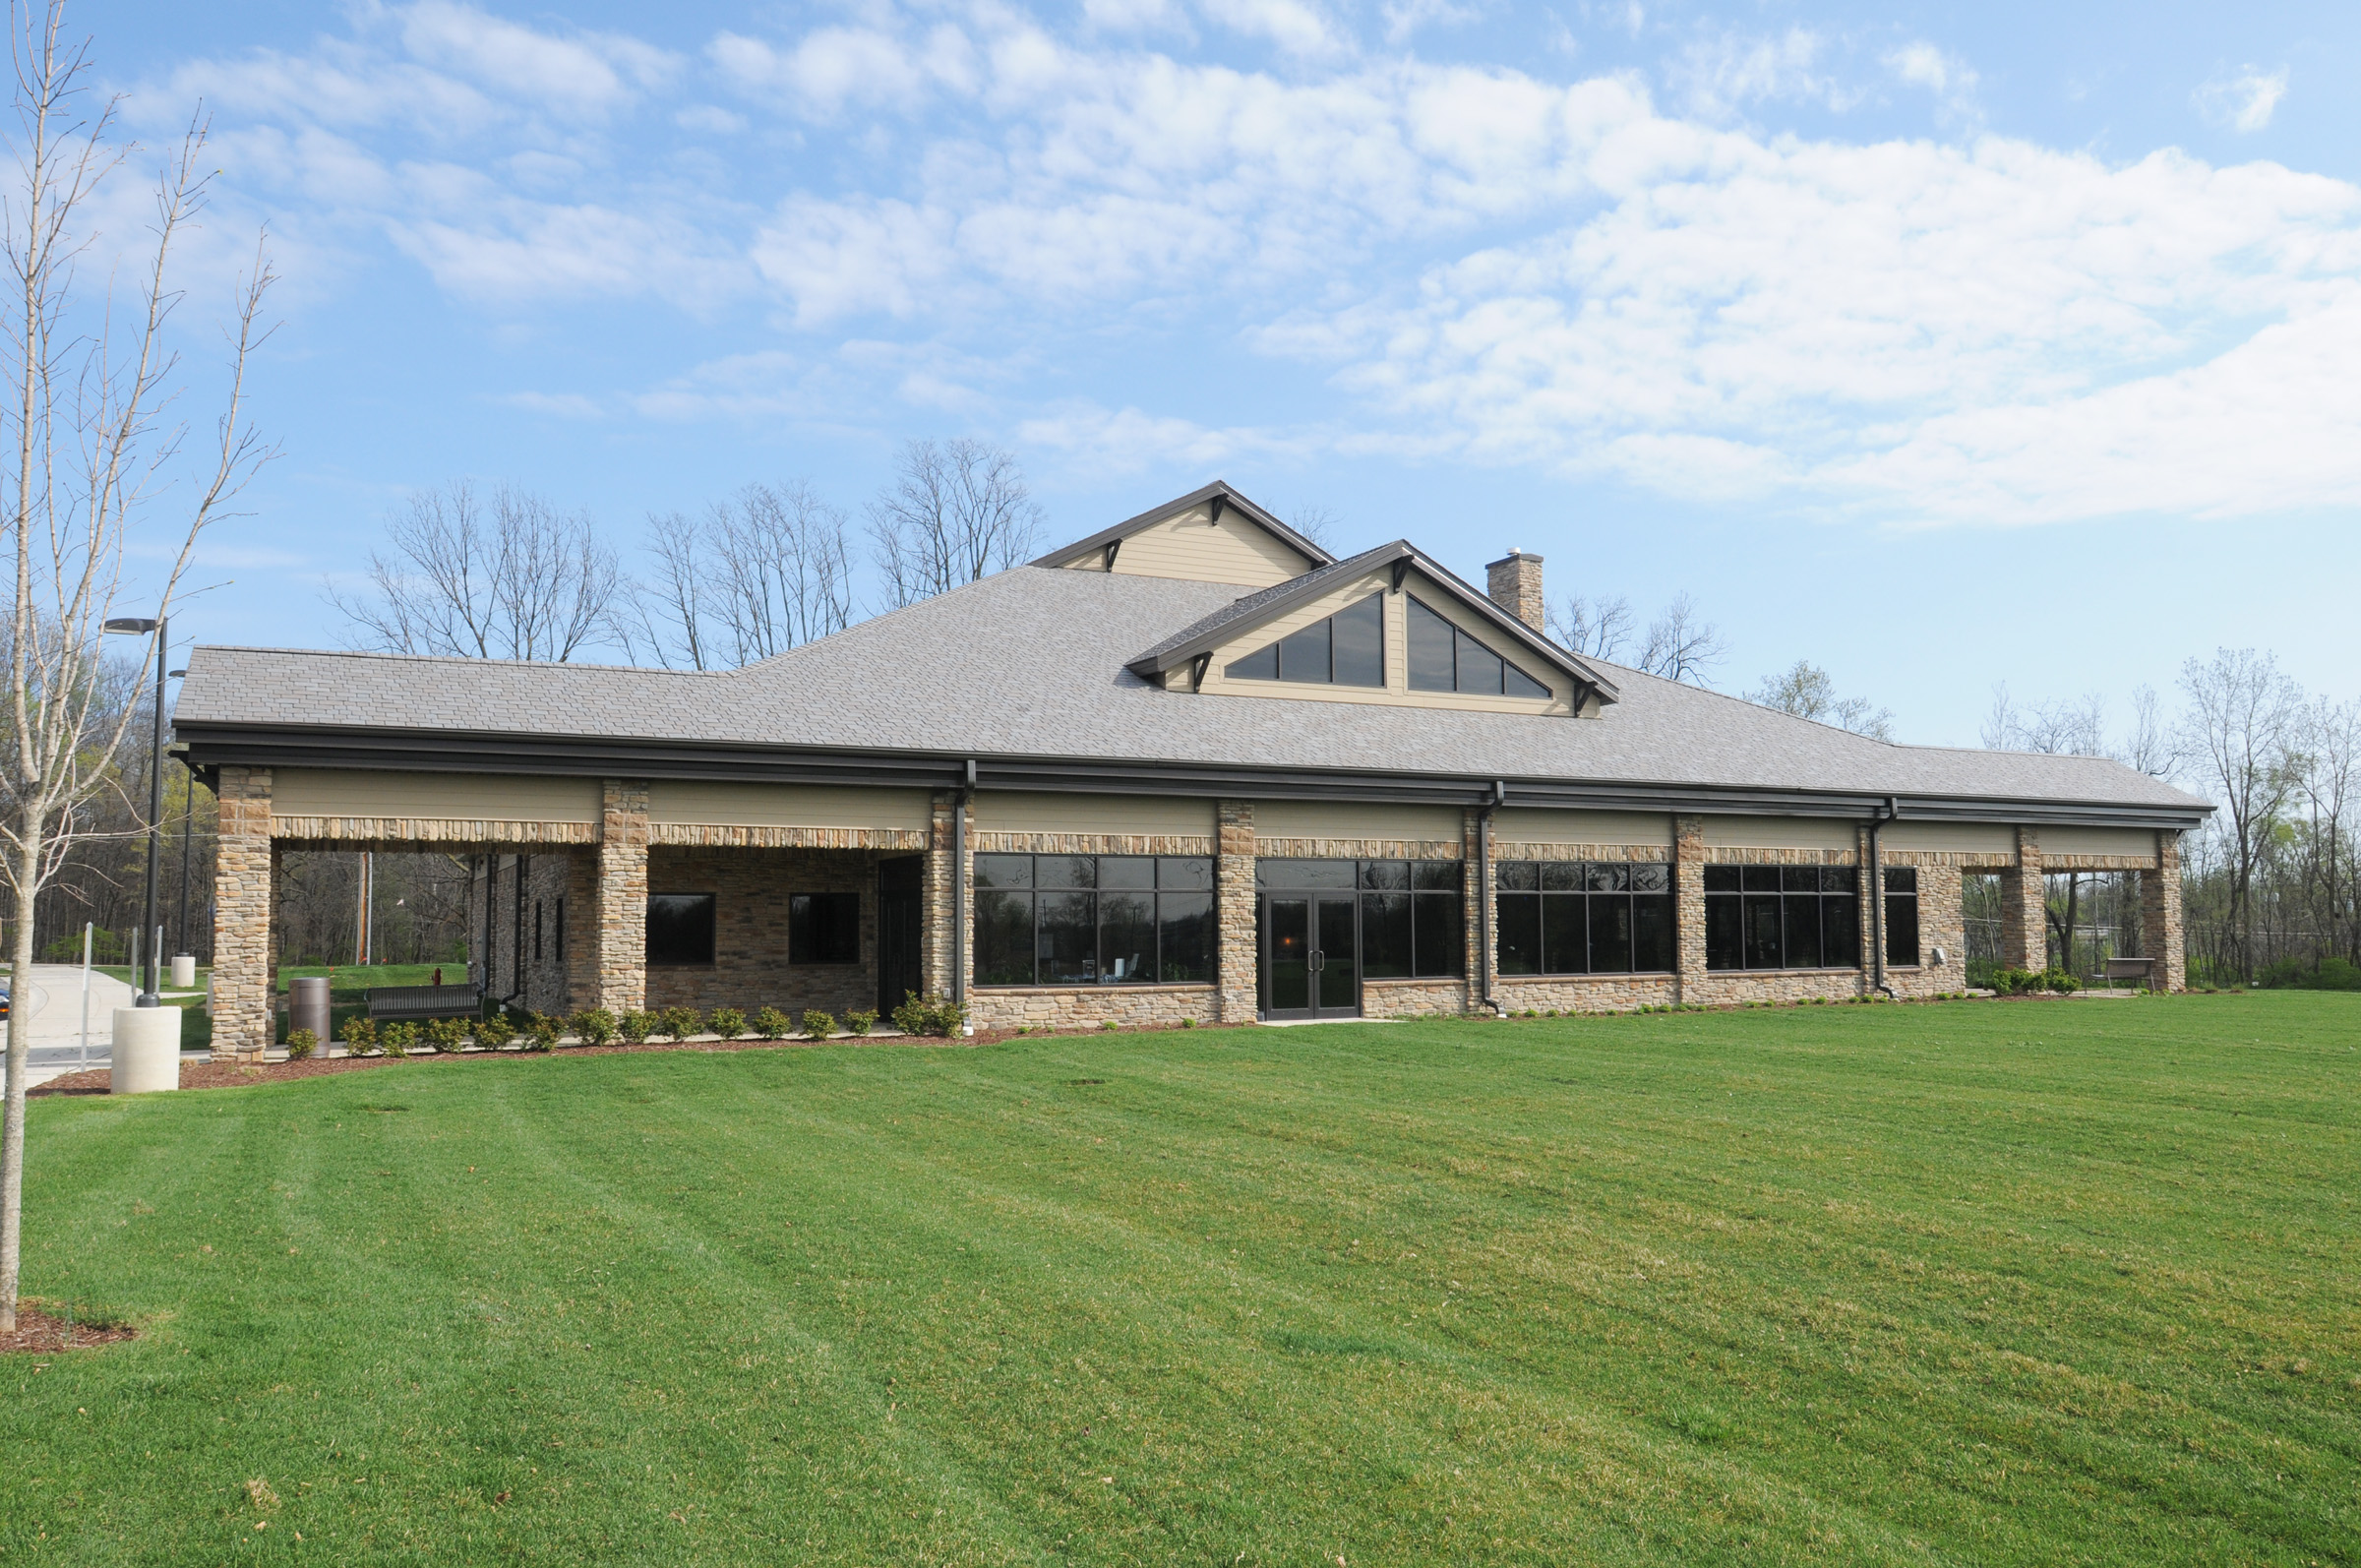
[1436,876]
[1518,877]
[1385,876]
[1722,880]
[1902,879]
[823,928]
[680,927]
[1651,877]
[1563,877]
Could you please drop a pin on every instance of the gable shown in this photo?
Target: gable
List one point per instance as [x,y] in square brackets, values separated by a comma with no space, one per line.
[1366,629]
[1200,547]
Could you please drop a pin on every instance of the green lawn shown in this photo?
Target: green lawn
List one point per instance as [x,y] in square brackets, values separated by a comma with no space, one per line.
[1983,1283]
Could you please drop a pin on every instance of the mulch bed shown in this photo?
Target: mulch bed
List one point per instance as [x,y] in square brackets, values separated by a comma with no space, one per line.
[39,1334]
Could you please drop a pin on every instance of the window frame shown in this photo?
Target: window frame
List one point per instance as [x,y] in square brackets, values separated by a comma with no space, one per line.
[1580,890]
[1432,897]
[1277,657]
[1902,911]
[1461,640]
[1189,896]
[712,902]
[1761,913]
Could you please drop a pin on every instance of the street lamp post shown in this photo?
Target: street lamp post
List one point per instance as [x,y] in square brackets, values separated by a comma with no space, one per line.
[148,997]
[188,831]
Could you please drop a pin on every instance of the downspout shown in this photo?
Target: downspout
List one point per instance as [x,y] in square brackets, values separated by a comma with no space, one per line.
[1877,900]
[1484,897]
[491,899]
[959,802]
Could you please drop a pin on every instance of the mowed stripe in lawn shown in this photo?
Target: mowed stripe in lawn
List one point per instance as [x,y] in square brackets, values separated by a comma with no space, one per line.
[1987,1283]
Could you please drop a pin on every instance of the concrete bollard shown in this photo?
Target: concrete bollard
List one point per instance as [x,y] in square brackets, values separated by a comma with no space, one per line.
[184,972]
[307,1007]
[147,1052]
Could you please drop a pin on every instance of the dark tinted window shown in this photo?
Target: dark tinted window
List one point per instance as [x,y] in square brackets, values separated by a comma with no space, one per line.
[1004,938]
[1359,652]
[1126,936]
[1431,666]
[1260,665]
[1003,871]
[1066,939]
[1096,920]
[1520,932]
[823,928]
[1184,872]
[1385,936]
[1566,936]
[1902,915]
[1651,932]
[1603,917]
[1479,667]
[1305,872]
[1787,917]
[1517,684]
[680,927]
[1185,936]
[1304,655]
[1438,936]
[1127,870]
[1437,876]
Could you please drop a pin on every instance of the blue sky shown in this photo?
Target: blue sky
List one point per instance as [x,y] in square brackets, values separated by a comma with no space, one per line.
[1941,345]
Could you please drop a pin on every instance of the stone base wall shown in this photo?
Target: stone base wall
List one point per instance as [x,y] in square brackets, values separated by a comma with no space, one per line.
[1724,987]
[1236,961]
[1087,1007]
[2162,937]
[244,964]
[1414,998]
[750,968]
[1585,992]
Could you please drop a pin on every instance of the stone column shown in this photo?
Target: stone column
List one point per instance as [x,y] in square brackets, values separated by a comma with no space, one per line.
[1477,923]
[1688,907]
[622,931]
[936,913]
[581,935]
[2161,939]
[1235,957]
[243,956]
[2024,907]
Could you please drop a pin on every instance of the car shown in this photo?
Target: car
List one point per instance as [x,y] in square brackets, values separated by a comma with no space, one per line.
[3,1003]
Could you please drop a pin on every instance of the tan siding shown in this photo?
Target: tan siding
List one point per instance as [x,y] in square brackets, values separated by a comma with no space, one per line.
[682,801]
[1233,550]
[1954,838]
[1779,833]
[1522,824]
[2136,842]
[1354,819]
[1016,812]
[450,797]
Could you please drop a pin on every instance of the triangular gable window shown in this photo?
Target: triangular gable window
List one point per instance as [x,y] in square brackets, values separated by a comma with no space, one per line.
[1346,649]
[1443,658]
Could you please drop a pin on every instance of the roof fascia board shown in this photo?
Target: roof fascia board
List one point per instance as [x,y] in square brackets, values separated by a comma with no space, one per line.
[443,751]
[1220,491]
[1402,556]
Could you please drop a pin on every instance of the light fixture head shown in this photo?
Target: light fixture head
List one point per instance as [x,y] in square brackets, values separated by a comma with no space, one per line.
[125,623]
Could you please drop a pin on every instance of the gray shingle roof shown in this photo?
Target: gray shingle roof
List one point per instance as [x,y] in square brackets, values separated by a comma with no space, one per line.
[1030,664]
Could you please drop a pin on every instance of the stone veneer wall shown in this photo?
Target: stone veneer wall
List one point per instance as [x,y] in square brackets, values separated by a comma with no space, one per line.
[2160,934]
[622,925]
[245,959]
[1086,1006]
[2024,907]
[1236,964]
[750,968]
[936,914]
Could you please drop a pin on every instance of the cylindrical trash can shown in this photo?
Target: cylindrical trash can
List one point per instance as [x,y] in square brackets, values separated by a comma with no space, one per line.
[307,1007]
[184,972]
[147,1050]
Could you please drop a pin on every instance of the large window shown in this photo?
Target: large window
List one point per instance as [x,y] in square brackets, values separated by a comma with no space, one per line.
[1902,915]
[1411,925]
[680,927]
[1584,917]
[1093,920]
[1443,658]
[1782,917]
[1346,649]
[823,928]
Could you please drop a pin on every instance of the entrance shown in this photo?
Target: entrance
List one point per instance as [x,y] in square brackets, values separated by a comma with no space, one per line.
[1311,955]
[899,973]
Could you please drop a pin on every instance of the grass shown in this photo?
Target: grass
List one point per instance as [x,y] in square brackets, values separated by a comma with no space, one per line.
[1988,1282]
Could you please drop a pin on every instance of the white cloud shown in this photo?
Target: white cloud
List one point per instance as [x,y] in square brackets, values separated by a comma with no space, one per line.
[561,406]
[2244,100]
[1720,73]
[585,74]
[1131,440]
[1293,26]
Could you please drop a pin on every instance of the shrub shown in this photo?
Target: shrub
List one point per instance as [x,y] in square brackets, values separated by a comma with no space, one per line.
[1188,1023]
[2016,981]
[301,1043]
[491,1033]
[860,1023]
[448,1036]
[540,1032]
[932,1014]
[2296,974]
[727,1022]
[359,1035]
[1109,1024]
[816,1024]
[2060,980]
[395,1040]
[772,1024]
[594,1026]
[636,1027]
[682,1022]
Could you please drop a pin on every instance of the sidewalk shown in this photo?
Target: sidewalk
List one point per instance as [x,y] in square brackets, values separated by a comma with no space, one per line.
[51,1007]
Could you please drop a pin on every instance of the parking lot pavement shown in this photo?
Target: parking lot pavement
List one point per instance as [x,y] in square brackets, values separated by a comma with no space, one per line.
[54,1017]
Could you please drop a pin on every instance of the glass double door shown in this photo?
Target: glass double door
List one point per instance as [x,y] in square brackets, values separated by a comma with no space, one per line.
[1311,955]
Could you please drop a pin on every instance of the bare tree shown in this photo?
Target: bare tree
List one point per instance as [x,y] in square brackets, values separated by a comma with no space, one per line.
[956,511]
[520,580]
[1322,525]
[2239,724]
[1597,629]
[2331,778]
[1808,692]
[92,457]
[663,618]
[1682,646]
[764,571]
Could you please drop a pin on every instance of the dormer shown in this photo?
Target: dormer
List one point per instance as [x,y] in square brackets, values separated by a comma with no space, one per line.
[1209,535]
[1387,627]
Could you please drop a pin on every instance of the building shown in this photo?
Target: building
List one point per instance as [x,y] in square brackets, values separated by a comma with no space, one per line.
[1188,767]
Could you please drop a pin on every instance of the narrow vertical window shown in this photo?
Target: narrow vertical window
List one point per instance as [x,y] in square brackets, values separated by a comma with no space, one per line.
[537,931]
[1901,916]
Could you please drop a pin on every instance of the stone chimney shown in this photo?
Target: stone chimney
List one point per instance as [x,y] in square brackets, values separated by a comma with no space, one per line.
[1515,583]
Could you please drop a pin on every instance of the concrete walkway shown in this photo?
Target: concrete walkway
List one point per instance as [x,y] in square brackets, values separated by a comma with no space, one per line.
[54,1016]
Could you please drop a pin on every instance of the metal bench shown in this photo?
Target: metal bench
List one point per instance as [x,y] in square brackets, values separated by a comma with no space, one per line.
[2139,969]
[405,1003]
